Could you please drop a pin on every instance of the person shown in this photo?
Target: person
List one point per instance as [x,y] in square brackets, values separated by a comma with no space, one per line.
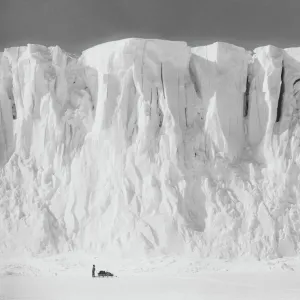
[93,271]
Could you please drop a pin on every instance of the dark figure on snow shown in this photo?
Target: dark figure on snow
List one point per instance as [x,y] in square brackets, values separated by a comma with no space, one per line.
[93,271]
[105,274]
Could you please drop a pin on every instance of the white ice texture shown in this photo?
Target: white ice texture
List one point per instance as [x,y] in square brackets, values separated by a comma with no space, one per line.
[148,146]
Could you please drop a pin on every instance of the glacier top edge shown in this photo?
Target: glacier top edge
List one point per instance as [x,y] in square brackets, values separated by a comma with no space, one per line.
[126,41]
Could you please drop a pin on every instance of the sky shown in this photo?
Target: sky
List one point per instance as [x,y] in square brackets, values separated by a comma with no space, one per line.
[76,25]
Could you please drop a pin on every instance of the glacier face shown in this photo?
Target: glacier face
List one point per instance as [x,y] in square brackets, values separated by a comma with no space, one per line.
[150,146]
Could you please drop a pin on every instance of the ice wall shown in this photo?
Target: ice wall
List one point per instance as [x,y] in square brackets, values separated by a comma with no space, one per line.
[150,146]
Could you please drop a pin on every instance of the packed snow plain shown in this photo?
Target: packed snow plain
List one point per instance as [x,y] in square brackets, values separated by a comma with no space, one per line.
[68,276]
[176,168]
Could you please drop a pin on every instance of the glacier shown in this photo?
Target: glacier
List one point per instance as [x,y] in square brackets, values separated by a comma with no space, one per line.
[149,146]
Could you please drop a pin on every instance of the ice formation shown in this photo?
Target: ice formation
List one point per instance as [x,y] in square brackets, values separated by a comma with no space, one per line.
[150,146]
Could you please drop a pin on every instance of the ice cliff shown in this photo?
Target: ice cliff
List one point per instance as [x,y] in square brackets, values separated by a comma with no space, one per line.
[150,146]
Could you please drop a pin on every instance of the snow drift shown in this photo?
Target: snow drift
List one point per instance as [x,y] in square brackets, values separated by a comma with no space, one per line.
[150,146]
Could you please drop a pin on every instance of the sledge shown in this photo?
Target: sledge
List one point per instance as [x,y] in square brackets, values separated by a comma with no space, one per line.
[105,274]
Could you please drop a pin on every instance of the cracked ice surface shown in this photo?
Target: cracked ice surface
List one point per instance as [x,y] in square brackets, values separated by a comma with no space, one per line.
[150,146]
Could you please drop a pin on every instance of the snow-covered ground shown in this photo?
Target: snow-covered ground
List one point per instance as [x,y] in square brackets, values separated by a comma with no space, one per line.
[166,277]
